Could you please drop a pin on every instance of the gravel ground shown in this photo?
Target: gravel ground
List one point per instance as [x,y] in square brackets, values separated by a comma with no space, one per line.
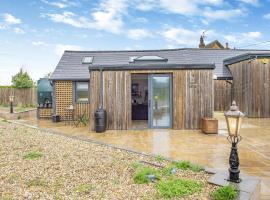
[72,169]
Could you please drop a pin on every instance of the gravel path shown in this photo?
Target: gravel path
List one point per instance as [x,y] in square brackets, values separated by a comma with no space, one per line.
[66,168]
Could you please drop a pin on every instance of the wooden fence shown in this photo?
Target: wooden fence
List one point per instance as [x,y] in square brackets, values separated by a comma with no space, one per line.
[22,97]
[222,95]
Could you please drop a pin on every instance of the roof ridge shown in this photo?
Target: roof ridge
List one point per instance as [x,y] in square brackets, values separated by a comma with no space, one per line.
[157,50]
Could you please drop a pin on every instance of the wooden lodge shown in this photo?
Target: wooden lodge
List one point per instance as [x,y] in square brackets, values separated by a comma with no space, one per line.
[173,88]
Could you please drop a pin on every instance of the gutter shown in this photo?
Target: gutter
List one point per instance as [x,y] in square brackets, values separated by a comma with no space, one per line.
[149,66]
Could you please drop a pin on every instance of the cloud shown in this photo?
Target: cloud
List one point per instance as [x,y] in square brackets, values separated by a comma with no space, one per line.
[38,43]
[242,39]
[60,4]
[138,34]
[141,20]
[182,36]
[252,2]
[70,19]
[187,7]
[60,48]
[253,35]
[210,14]
[10,19]
[19,30]
[266,16]
[109,15]
[145,5]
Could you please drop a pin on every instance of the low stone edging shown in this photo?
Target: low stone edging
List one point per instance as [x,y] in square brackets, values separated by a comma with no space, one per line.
[16,115]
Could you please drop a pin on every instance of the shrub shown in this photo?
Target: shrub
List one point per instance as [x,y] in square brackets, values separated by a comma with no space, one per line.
[185,165]
[22,80]
[32,155]
[224,193]
[142,173]
[177,188]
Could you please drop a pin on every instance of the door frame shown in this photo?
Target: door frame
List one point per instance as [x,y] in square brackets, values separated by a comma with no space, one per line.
[150,100]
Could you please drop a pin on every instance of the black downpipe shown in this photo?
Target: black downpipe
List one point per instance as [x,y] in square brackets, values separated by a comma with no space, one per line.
[101,90]
[100,114]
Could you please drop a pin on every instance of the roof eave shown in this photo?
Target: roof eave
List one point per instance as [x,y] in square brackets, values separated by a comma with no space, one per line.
[247,56]
[160,66]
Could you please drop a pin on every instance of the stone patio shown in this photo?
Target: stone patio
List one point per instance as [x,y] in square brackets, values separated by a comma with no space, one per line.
[208,150]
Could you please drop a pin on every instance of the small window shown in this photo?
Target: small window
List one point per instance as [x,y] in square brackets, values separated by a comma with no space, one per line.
[82,94]
[87,60]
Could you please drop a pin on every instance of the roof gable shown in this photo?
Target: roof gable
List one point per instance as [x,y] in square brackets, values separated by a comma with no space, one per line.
[214,45]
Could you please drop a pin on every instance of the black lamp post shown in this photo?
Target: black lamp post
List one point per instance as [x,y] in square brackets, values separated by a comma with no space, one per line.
[234,120]
[11,99]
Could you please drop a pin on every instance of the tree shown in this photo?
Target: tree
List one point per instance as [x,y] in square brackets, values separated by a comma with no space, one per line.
[22,80]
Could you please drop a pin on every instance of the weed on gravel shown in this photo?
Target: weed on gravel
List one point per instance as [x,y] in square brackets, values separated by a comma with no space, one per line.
[36,182]
[185,165]
[84,188]
[178,188]
[142,173]
[32,155]
[225,193]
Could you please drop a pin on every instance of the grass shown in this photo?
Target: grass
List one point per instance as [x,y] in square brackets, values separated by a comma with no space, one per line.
[18,108]
[32,155]
[186,165]
[159,158]
[84,188]
[224,193]
[167,171]
[178,188]
[136,165]
[142,172]
[37,182]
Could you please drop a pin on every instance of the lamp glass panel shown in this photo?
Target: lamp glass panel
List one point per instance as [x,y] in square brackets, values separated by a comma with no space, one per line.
[232,124]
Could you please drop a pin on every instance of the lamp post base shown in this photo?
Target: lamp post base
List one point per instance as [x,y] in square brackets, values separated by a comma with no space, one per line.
[234,160]
[234,176]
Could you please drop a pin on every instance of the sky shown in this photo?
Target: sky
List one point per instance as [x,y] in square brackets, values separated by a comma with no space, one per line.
[35,33]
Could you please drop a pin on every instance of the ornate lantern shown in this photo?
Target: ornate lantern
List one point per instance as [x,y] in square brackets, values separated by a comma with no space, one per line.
[234,120]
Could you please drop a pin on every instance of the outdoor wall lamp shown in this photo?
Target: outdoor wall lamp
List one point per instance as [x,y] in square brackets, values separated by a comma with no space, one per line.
[234,120]
[11,99]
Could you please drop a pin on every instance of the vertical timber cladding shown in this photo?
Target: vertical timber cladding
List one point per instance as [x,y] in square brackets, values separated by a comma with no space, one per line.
[63,97]
[192,97]
[199,97]
[251,86]
[116,98]
[222,94]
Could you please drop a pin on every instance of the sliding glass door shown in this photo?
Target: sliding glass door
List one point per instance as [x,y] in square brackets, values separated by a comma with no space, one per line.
[160,98]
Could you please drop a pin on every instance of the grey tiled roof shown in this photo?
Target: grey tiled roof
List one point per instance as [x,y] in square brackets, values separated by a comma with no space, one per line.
[70,66]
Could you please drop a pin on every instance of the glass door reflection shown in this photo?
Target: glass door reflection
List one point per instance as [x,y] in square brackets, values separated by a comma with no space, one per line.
[160,105]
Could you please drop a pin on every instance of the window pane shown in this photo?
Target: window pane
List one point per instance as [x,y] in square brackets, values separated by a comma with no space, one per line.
[82,86]
[82,91]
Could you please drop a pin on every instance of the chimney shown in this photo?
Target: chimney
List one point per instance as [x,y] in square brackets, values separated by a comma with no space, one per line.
[227,45]
[202,44]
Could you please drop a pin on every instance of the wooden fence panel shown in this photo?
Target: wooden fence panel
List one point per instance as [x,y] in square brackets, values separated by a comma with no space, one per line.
[222,93]
[22,97]
[251,87]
